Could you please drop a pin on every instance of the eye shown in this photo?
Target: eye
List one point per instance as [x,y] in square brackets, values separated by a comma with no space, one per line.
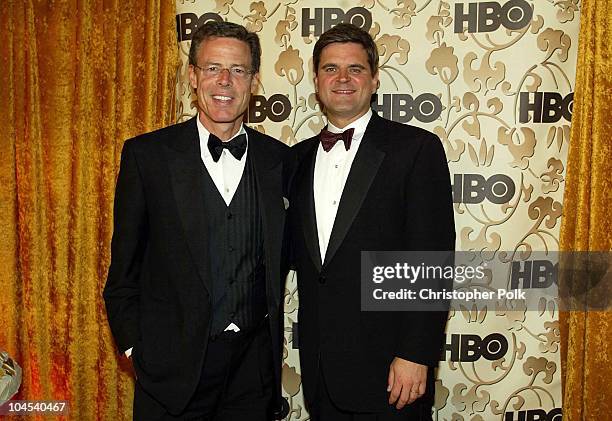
[212,68]
[239,71]
[329,69]
[355,70]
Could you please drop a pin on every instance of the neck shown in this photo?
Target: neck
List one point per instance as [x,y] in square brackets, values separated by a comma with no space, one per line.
[224,131]
[341,122]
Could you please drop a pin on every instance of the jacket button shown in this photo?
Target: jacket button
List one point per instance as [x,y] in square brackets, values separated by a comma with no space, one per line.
[322,279]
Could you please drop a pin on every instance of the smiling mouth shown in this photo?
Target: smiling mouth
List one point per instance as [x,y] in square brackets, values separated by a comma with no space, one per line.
[222,98]
[343,91]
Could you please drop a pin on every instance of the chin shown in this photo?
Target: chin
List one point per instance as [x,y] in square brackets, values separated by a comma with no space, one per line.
[345,112]
[225,118]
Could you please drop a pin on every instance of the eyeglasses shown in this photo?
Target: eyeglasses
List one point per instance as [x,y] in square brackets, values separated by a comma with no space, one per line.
[213,70]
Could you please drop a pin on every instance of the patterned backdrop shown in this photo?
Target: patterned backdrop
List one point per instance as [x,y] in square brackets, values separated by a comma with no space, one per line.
[494,80]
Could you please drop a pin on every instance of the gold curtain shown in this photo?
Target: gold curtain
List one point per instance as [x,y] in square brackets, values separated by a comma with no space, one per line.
[586,337]
[77,79]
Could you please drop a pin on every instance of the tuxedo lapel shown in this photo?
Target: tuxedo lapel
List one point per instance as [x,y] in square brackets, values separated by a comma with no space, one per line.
[362,173]
[268,173]
[186,168]
[306,205]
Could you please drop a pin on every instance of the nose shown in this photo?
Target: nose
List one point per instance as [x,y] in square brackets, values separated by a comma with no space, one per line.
[343,75]
[224,78]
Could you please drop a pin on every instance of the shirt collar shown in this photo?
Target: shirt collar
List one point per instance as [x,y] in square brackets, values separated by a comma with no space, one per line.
[359,125]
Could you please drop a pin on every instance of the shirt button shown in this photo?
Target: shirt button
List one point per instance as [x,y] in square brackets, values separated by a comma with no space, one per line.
[334,202]
[226,190]
[336,166]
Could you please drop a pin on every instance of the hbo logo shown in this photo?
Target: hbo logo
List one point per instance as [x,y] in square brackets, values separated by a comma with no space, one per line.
[469,348]
[188,23]
[474,188]
[547,107]
[277,108]
[402,107]
[555,414]
[490,15]
[324,19]
[533,274]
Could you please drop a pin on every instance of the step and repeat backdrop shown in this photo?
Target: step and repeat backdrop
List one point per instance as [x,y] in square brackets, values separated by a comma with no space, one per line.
[494,80]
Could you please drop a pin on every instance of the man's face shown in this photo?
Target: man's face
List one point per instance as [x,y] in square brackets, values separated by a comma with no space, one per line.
[344,82]
[223,97]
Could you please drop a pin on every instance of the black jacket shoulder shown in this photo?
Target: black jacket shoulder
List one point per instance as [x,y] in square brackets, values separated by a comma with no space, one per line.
[164,134]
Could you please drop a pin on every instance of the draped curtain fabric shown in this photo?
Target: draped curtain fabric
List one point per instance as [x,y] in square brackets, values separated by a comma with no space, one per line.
[77,79]
[586,337]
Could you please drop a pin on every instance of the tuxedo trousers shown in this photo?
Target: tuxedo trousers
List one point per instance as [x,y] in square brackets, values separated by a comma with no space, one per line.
[236,382]
[324,409]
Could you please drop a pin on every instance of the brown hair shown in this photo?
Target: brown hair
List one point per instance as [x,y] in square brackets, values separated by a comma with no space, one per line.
[216,29]
[343,33]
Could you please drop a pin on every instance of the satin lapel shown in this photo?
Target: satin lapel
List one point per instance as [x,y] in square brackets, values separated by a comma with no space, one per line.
[186,168]
[268,173]
[306,205]
[362,173]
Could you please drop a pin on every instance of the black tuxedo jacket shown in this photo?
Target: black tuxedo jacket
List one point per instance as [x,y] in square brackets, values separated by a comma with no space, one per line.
[158,291]
[397,197]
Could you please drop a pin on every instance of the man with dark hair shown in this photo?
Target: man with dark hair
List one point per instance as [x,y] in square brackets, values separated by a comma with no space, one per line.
[194,289]
[384,186]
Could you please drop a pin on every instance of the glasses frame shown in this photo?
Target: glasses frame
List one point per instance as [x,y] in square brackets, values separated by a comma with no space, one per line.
[209,75]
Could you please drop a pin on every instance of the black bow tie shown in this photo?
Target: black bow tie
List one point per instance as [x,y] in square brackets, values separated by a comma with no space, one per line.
[237,146]
[329,139]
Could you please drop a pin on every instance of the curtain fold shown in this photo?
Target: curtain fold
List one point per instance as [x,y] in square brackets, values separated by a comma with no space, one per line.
[586,337]
[78,79]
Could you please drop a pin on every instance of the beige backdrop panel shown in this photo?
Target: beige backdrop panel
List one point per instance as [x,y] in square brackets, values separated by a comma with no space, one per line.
[498,93]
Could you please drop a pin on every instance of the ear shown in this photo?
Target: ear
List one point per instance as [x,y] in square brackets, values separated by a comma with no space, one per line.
[193,78]
[254,83]
[375,83]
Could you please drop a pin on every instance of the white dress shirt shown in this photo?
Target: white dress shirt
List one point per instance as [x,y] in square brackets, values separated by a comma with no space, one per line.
[227,171]
[330,174]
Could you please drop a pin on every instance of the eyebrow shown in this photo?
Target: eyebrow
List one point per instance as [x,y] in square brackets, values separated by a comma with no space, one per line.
[212,63]
[350,65]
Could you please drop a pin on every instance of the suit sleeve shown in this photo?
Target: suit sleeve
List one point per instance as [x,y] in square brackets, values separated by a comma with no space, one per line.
[431,227]
[289,170]
[128,247]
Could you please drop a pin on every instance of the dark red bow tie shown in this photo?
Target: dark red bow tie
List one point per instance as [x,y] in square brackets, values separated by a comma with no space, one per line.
[329,139]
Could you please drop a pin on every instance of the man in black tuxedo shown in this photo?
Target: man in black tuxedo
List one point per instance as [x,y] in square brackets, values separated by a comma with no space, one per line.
[364,183]
[194,290]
